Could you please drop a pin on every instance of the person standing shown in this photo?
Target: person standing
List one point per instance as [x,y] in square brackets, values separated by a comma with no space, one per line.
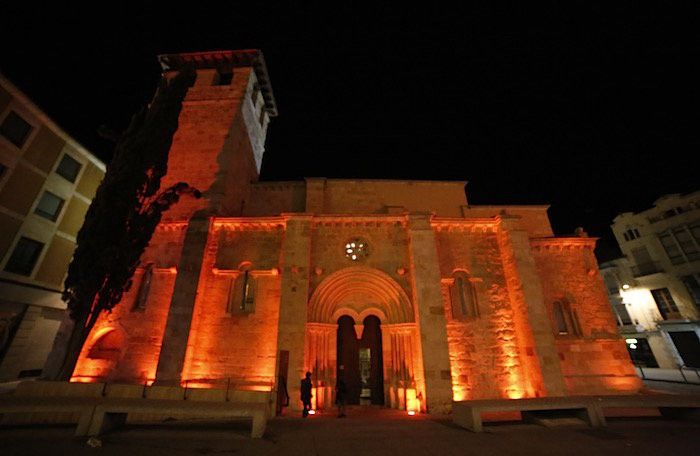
[341,397]
[306,394]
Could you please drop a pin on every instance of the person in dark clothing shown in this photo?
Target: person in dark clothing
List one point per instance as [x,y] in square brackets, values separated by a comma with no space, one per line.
[341,397]
[306,394]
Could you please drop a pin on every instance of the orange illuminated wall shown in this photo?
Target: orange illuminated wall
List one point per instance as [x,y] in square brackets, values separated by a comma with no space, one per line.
[593,357]
[484,351]
[227,345]
[211,149]
[140,330]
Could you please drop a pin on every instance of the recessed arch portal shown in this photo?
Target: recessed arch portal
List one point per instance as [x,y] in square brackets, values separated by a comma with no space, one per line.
[359,291]
[357,295]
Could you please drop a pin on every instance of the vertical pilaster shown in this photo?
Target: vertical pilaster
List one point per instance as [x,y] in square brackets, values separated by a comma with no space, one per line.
[177,328]
[430,313]
[294,262]
[538,352]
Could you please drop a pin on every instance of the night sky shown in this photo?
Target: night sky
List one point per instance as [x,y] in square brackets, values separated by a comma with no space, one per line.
[590,109]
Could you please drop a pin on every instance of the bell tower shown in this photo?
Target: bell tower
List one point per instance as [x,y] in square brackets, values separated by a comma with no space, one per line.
[218,149]
[220,141]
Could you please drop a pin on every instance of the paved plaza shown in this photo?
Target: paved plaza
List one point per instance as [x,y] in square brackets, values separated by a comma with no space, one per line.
[365,432]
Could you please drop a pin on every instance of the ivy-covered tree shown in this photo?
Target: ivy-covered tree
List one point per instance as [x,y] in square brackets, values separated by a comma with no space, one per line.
[121,220]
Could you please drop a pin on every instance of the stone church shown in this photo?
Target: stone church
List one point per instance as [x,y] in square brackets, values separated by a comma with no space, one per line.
[411,295]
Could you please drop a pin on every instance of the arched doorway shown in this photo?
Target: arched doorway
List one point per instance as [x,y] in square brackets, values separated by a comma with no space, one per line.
[359,360]
[363,308]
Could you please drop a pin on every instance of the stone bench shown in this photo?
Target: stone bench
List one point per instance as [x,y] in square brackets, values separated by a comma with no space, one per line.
[113,412]
[39,402]
[84,407]
[467,414]
[669,405]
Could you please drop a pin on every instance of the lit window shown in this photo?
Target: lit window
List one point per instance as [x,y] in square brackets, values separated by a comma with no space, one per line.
[68,168]
[355,249]
[24,256]
[15,129]
[49,206]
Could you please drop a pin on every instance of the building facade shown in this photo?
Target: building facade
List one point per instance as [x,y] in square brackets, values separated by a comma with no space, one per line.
[655,288]
[401,288]
[47,181]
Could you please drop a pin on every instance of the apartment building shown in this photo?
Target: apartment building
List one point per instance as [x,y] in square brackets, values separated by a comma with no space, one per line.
[47,181]
[655,288]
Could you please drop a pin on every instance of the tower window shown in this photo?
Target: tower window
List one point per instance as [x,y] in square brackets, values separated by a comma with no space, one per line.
[24,257]
[49,206]
[15,129]
[68,168]
[224,78]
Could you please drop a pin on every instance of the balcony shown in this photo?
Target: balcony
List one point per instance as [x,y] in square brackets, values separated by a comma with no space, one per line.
[646,269]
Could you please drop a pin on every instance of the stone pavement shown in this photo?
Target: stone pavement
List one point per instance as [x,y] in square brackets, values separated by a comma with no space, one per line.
[365,432]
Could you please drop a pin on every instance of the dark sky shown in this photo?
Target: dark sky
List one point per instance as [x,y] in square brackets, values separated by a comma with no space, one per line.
[592,109]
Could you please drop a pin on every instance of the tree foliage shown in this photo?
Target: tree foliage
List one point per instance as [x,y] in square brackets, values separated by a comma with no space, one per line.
[123,215]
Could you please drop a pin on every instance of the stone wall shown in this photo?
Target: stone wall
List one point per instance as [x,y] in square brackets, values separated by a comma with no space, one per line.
[140,329]
[533,219]
[211,149]
[275,198]
[593,358]
[225,342]
[387,242]
[355,196]
[483,350]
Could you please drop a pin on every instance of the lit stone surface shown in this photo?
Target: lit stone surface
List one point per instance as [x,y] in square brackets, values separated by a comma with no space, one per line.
[288,242]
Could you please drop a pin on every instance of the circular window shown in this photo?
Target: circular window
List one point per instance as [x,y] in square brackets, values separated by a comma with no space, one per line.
[356,249]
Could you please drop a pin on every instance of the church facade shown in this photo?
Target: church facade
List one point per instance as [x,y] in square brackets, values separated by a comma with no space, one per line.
[404,290]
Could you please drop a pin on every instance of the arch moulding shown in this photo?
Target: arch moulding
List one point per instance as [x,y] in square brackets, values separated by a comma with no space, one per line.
[360,291]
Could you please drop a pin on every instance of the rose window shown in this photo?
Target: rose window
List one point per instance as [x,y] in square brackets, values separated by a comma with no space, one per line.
[355,249]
